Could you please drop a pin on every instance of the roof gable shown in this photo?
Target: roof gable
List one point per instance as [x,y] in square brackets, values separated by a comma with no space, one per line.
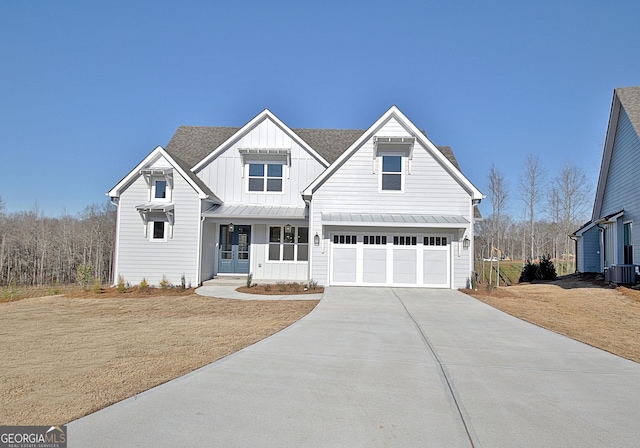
[179,165]
[443,154]
[627,98]
[234,137]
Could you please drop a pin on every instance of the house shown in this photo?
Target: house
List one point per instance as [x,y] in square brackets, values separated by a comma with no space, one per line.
[381,206]
[607,242]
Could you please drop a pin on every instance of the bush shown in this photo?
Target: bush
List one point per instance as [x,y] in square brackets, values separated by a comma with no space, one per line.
[97,287]
[529,272]
[546,268]
[121,285]
[84,276]
[282,286]
[313,284]
[249,279]
[144,286]
[164,283]
[534,271]
[183,283]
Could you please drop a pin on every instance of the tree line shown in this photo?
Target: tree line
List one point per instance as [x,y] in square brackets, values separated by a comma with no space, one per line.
[36,250]
[535,217]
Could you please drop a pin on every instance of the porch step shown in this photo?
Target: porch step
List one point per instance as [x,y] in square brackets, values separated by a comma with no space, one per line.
[238,280]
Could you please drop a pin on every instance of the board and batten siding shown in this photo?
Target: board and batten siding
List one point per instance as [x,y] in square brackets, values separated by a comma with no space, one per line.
[429,189]
[138,257]
[225,174]
[623,182]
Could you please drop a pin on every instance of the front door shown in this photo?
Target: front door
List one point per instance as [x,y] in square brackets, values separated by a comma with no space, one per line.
[233,255]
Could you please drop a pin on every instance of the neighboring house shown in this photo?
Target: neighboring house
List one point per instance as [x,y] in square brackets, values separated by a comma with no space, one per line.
[609,238]
[383,206]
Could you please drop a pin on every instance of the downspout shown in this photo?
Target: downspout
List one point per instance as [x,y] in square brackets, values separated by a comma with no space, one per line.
[575,241]
[602,246]
[309,241]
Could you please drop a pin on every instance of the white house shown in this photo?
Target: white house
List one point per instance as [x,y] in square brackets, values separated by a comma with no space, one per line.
[383,206]
[607,242]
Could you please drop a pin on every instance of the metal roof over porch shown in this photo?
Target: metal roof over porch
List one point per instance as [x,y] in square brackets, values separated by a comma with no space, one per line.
[256,212]
[394,220]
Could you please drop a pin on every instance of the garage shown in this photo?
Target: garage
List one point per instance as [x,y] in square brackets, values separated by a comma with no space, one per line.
[390,259]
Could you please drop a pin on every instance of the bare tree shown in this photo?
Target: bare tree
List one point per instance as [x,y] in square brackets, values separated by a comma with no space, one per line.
[572,193]
[498,195]
[530,189]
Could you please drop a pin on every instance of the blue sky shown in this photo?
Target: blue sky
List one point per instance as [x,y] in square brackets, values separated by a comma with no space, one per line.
[90,88]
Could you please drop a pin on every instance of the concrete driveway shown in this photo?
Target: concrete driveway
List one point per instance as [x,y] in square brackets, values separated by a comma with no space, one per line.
[388,367]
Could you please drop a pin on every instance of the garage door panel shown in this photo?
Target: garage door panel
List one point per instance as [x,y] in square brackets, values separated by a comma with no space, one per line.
[344,265]
[374,265]
[435,263]
[404,266]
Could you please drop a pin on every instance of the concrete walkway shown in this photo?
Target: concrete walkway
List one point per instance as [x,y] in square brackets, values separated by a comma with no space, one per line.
[379,367]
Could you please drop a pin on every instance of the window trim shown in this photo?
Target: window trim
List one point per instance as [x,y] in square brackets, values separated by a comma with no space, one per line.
[281,243]
[402,172]
[165,231]
[265,176]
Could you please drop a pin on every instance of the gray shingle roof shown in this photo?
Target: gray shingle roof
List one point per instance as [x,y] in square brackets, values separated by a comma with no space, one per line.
[630,100]
[191,144]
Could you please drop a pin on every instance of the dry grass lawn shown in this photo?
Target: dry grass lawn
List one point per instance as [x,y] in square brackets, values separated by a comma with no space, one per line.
[588,311]
[65,357]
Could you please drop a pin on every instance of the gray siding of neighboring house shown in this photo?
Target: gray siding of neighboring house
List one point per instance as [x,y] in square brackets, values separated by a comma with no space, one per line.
[589,251]
[429,189]
[623,183]
[138,257]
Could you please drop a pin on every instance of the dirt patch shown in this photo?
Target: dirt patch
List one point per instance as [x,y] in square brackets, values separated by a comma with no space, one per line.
[65,357]
[582,309]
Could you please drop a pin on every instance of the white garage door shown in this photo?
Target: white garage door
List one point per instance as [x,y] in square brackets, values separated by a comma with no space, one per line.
[382,259]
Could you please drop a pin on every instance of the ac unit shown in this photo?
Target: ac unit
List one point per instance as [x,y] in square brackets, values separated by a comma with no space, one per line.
[622,274]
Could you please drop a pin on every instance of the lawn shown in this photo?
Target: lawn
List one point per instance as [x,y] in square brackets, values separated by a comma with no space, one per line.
[582,309]
[64,357]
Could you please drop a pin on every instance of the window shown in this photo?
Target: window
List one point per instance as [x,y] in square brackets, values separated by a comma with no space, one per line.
[160,190]
[405,241]
[344,239]
[391,179]
[378,239]
[288,243]
[265,177]
[628,243]
[435,241]
[158,231]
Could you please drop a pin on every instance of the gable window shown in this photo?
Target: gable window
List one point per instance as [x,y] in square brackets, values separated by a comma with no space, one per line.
[265,177]
[288,243]
[160,189]
[391,173]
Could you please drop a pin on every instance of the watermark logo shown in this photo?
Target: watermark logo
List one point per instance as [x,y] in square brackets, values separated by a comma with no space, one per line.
[33,437]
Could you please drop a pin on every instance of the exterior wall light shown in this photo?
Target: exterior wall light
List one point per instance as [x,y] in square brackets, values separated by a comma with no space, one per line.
[316,239]
[466,242]
[287,228]
[231,227]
